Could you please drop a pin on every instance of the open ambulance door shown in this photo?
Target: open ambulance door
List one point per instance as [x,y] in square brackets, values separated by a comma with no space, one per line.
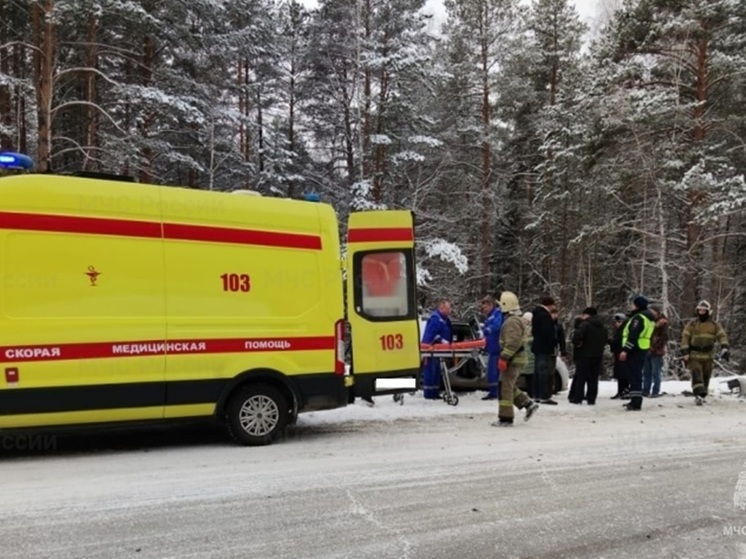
[382,303]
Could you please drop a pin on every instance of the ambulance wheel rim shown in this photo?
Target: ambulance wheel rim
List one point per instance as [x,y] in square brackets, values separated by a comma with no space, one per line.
[259,415]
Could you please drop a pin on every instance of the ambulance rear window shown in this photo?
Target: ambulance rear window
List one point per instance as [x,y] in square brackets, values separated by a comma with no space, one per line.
[385,284]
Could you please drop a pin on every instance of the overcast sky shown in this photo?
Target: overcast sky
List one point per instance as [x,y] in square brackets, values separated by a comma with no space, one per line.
[586,8]
[589,10]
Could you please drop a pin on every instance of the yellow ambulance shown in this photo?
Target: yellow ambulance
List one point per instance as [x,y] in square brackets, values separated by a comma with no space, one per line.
[126,302]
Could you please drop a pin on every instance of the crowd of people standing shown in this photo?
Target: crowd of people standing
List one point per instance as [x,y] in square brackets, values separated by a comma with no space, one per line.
[638,341]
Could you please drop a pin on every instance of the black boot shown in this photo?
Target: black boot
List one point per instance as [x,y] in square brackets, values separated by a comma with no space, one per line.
[530,410]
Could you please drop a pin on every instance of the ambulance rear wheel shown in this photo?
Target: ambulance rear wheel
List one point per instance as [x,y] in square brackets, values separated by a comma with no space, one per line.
[256,415]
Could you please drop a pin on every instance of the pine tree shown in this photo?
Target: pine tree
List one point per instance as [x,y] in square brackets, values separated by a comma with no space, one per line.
[543,84]
[477,32]
[674,67]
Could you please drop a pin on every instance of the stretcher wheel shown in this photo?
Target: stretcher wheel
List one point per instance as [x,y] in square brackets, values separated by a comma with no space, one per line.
[451,400]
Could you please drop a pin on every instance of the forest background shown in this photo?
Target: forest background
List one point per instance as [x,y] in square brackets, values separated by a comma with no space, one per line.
[535,160]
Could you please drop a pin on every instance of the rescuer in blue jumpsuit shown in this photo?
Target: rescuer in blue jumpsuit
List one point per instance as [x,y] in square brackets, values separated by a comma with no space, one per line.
[491,329]
[437,330]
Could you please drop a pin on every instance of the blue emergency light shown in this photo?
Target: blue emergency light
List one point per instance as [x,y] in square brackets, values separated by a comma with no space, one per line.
[17,161]
[312,197]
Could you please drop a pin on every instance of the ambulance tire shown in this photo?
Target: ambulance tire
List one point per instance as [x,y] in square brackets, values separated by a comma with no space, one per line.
[256,415]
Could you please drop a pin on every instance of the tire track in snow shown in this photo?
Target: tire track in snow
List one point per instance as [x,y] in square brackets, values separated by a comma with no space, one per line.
[739,495]
[359,509]
[546,478]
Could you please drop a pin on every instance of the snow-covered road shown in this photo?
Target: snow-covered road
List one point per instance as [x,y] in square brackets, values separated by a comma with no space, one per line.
[422,480]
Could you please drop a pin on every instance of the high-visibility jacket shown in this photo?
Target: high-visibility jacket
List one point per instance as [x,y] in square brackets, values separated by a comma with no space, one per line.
[638,332]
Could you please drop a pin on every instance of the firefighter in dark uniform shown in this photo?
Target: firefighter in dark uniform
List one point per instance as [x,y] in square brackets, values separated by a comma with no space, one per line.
[636,336]
[698,349]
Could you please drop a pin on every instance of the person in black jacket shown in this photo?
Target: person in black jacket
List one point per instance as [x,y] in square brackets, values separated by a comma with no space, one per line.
[562,345]
[543,346]
[588,341]
[620,368]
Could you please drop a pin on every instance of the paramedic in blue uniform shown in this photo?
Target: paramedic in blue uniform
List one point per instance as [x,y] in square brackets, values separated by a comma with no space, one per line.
[437,330]
[492,324]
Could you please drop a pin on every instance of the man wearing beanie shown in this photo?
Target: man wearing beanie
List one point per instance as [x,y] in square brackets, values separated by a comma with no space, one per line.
[589,340]
[635,346]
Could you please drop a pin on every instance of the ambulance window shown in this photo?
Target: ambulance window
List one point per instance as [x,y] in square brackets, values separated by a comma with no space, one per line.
[384,287]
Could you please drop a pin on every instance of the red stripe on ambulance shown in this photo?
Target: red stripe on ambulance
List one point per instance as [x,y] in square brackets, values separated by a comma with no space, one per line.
[153,230]
[380,235]
[239,236]
[103,350]
[85,225]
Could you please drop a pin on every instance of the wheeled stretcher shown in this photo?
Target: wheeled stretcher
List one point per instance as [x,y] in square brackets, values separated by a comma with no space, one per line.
[459,353]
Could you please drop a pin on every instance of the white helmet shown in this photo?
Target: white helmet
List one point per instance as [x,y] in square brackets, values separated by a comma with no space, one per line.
[509,302]
[704,305]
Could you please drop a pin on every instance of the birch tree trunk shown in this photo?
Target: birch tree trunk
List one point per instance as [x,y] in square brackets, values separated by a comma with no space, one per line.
[6,117]
[91,114]
[44,33]
[145,125]
[485,218]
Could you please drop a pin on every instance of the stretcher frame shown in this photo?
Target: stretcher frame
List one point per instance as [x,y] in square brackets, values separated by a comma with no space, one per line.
[460,352]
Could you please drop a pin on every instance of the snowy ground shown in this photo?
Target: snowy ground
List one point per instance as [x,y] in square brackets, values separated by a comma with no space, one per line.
[421,480]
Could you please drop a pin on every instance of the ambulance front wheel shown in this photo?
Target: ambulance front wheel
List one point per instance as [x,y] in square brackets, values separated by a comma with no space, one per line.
[256,415]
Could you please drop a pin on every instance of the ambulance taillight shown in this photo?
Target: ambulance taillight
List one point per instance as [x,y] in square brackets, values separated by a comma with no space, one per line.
[339,347]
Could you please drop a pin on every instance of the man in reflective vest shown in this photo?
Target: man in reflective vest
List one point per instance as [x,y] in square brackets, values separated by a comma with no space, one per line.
[492,325]
[635,346]
[698,347]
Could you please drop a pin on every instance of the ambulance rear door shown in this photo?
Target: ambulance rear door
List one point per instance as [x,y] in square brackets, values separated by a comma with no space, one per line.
[382,303]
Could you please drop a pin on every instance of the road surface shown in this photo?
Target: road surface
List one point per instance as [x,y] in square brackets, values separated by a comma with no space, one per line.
[425,480]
